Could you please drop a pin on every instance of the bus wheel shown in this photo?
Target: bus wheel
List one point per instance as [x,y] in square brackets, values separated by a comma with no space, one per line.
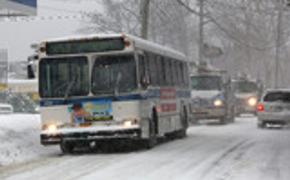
[181,134]
[66,147]
[223,120]
[184,121]
[152,139]
[261,125]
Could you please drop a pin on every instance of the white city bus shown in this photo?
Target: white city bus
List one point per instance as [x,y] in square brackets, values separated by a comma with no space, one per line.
[111,87]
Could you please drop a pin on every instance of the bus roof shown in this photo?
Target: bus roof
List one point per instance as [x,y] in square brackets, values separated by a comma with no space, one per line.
[139,43]
[278,90]
[80,37]
[244,80]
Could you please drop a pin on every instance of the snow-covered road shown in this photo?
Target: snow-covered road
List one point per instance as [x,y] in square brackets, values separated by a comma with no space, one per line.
[236,151]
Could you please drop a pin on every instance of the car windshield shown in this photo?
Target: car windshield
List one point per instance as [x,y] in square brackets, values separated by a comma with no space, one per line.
[60,77]
[206,82]
[114,74]
[277,96]
[245,87]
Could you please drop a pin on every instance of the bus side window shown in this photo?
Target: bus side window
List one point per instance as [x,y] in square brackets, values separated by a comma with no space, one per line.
[185,74]
[159,70]
[142,71]
[153,69]
[163,72]
[179,73]
[174,72]
[182,74]
[168,72]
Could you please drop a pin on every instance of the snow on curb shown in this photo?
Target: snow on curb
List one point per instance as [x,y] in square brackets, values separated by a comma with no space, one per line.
[19,138]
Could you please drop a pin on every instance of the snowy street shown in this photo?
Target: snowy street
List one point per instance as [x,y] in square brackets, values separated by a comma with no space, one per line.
[236,151]
[144,90]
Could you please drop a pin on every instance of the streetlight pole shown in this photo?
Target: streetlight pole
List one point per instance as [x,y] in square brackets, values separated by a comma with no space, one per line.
[201,32]
[144,11]
[278,42]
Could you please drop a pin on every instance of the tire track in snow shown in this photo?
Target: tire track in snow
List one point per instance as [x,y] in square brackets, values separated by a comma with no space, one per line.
[238,163]
[227,153]
[272,169]
[12,169]
[62,167]
[217,153]
[233,156]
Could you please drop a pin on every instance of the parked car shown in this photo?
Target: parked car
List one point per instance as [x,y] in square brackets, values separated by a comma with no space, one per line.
[274,108]
[20,102]
[6,108]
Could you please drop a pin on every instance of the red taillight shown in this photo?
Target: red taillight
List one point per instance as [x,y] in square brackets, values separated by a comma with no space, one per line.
[260,107]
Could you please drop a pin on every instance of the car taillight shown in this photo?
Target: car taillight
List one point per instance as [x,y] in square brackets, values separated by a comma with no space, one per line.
[260,107]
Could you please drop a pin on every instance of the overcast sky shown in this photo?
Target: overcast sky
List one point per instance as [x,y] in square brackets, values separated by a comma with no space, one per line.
[18,35]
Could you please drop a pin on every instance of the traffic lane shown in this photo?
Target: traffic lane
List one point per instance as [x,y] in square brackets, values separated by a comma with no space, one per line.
[233,151]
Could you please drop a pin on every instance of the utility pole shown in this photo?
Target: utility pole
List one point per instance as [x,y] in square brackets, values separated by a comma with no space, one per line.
[144,12]
[278,42]
[201,32]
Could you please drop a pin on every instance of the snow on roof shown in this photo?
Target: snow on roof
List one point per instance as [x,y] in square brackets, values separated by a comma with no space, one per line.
[18,138]
[244,80]
[157,48]
[138,42]
[80,37]
[22,81]
[278,90]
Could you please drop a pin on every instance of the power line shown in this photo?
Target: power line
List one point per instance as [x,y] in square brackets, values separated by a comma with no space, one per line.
[71,15]
[80,16]
[59,9]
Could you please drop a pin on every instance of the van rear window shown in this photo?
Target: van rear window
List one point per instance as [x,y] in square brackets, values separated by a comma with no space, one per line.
[277,96]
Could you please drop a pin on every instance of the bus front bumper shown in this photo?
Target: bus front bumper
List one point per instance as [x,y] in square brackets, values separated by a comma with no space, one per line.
[90,134]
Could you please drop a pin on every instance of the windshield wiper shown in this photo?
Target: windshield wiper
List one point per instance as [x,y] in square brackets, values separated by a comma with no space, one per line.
[69,87]
[116,86]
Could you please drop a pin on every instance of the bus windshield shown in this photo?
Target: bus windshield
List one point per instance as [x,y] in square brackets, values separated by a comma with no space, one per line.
[61,77]
[206,83]
[245,87]
[114,74]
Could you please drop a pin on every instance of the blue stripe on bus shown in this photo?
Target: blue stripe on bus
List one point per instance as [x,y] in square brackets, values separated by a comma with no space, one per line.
[55,102]
[153,93]
[183,94]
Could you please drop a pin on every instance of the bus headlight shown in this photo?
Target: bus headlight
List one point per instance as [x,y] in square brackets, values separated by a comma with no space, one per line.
[130,122]
[51,128]
[127,123]
[218,103]
[252,101]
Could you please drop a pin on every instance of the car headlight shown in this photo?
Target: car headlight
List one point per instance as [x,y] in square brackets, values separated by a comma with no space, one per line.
[218,103]
[252,101]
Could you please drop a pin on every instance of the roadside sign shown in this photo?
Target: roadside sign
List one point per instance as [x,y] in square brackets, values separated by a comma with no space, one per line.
[3,69]
[20,7]
[3,87]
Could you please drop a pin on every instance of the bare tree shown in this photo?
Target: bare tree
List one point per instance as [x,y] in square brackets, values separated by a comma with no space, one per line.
[248,32]
[167,23]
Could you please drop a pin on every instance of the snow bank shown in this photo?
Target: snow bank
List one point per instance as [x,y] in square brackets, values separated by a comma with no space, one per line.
[19,138]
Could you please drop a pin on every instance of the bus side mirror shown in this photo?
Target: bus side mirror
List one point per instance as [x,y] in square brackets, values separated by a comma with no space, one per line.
[30,72]
[145,82]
